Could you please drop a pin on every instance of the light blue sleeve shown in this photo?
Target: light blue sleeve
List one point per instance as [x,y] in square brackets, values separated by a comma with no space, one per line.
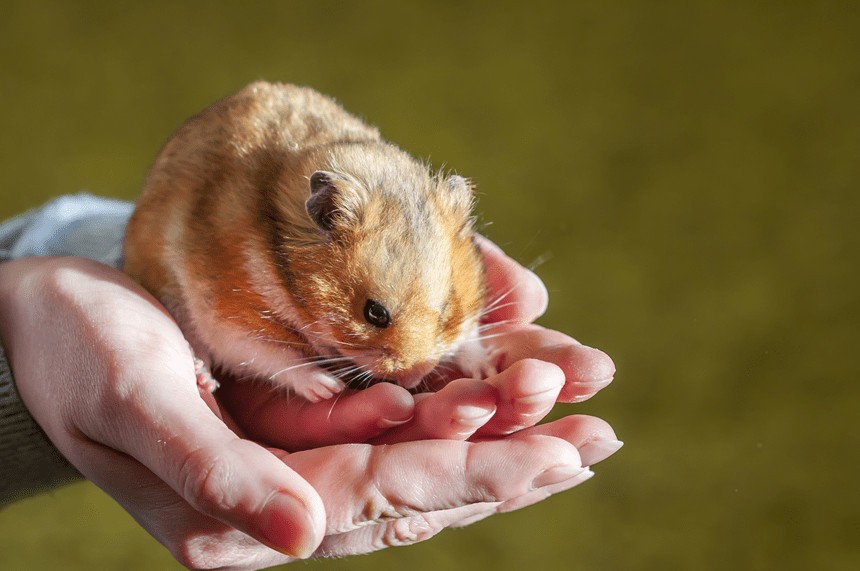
[73,225]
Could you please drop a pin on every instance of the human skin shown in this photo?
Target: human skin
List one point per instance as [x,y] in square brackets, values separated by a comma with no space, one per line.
[245,478]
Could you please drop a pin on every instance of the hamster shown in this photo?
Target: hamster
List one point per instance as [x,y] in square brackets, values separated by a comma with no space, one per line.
[282,232]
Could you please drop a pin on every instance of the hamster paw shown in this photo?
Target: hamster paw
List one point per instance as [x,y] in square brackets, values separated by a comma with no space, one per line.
[317,386]
[477,361]
[205,381]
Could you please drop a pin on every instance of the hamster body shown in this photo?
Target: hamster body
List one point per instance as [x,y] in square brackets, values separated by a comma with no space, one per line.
[281,231]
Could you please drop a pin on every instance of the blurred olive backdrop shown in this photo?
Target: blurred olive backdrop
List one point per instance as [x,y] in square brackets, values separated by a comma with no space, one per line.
[687,170]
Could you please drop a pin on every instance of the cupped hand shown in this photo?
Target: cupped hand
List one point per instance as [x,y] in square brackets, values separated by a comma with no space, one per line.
[110,379]
[537,367]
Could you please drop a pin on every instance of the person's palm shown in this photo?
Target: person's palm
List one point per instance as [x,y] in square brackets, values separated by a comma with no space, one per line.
[117,394]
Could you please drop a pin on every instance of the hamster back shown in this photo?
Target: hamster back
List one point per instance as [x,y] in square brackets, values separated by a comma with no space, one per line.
[282,232]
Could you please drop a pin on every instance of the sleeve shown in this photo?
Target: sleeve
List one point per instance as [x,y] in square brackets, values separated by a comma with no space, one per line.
[81,225]
[29,463]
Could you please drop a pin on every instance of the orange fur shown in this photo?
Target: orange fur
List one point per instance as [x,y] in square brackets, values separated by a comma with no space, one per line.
[222,237]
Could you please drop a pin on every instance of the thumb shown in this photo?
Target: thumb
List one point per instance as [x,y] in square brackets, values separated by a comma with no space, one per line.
[120,375]
[175,435]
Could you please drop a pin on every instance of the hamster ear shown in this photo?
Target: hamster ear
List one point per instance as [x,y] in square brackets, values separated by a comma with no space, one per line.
[458,184]
[322,205]
[460,193]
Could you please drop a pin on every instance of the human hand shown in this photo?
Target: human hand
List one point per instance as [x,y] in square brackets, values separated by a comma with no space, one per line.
[537,368]
[117,395]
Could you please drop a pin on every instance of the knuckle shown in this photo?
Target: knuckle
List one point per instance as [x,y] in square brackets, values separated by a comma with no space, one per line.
[409,530]
[205,481]
[505,469]
[485,488]
[192,555]
[203,552]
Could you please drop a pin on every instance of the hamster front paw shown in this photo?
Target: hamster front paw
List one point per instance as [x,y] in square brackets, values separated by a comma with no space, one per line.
[477,361]
[205,381]
[316,386]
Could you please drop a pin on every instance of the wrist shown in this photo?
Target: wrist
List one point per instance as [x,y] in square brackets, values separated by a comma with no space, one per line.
[29,463]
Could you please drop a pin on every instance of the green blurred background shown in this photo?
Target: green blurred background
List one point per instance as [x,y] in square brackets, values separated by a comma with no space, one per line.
[689,171]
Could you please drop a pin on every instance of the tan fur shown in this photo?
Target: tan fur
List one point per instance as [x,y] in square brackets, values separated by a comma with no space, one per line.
[222,237]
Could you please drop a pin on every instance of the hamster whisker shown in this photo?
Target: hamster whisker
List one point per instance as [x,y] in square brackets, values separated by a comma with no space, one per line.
[326,340]
[499,298]
[321,361]
[495,302]
[346,371]
[356,345]
[493,336]
[365,378]
[495,324]
[486,311]
[304,331]
[282,342]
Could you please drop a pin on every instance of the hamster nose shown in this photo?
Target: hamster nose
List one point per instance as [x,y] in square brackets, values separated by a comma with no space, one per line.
[411,377]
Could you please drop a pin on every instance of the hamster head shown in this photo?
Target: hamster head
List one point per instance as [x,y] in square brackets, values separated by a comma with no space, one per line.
[387,275]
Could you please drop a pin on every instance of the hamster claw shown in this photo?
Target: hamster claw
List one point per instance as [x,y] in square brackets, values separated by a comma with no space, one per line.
[205,381]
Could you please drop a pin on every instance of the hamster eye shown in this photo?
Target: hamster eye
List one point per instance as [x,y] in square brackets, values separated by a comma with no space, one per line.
[376,314]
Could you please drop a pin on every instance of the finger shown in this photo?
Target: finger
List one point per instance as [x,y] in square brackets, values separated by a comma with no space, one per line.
[527,391]
[586,370]
[197,541]
[155,415]
[595,440]
[536,496]
[593,437]
[233,480]
[514,293]
[365,484]
[293,423]
[455,412]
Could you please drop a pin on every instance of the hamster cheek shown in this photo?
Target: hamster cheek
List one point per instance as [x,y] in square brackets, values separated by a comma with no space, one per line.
[315,386]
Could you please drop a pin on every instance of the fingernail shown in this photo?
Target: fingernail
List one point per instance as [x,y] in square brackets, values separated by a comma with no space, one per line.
[386,423]
[466,419]
[593,385]
[471,414]
[285,525]
[596,450]
[542,386]
[540,396]
[535,496]
[556,475]
[584,476]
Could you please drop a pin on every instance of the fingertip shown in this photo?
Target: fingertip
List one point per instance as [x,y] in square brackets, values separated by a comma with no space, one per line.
[528,379]
[289,525]
[389,398]
[363,414]
[595,451]
[578,429]
[466,403]
[517,293]
[588,371]
[601,365]
[584,363]
[251,489]
[535,291]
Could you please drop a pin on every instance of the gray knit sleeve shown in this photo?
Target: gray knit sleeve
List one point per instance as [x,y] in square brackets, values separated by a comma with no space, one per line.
[29,463]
